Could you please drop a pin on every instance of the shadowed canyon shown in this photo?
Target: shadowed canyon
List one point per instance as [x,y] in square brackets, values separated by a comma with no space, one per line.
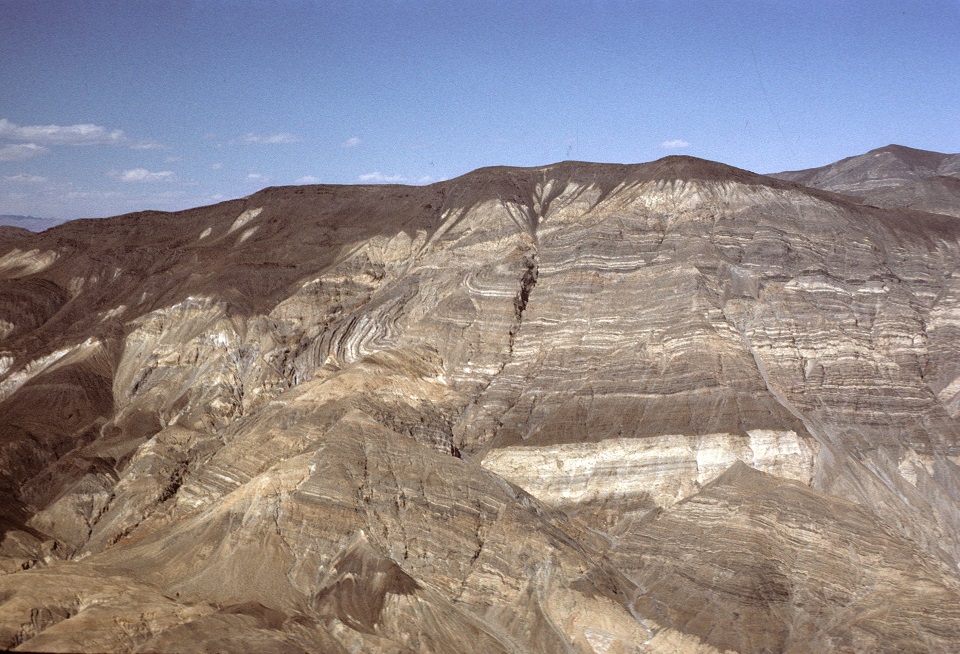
[591,408]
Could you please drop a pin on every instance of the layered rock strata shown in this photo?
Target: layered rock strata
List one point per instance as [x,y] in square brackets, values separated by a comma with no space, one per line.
[667,407]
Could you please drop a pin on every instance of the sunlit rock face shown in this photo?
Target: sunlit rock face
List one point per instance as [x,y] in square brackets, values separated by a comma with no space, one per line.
[805,559]
[671,407]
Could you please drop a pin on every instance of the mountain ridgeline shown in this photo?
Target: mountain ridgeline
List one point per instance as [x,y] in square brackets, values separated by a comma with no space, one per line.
[665,407]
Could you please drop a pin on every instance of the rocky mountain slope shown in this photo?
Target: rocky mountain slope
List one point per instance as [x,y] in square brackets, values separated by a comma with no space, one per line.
[894,177]
[669,407]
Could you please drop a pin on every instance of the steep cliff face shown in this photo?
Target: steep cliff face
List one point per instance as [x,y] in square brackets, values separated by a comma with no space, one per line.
[667,407]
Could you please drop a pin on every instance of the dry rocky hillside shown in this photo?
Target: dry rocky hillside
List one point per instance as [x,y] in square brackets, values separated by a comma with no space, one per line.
[669,407]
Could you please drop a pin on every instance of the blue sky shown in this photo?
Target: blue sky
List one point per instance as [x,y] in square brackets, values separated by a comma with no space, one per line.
[110,107]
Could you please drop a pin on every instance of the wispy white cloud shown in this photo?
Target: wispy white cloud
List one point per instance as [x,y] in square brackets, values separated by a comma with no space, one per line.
[20,151]
[79,134]
[307,179]
[216,166]
[148,145]
[143,175]
[265,139]
[25,179]
[93,195]
[377,177]
[258,177]
[675,144]
[351,142]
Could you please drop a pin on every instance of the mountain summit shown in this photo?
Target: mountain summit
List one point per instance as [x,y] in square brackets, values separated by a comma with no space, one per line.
[665,407]
[895,177]
[883,168]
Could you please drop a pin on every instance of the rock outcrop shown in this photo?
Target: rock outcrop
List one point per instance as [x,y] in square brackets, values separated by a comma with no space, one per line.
[665,407]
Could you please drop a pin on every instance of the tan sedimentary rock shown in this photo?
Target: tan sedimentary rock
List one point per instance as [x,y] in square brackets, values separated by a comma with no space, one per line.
[939,194]
[757,563]
[509,412]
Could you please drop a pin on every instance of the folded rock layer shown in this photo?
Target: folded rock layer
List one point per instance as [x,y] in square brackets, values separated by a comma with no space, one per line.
[669,407]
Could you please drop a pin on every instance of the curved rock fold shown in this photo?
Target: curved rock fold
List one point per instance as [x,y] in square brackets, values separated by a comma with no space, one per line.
[669,407]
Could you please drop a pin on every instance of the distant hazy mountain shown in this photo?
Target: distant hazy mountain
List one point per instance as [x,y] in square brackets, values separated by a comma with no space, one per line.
[893,165]
[895,177]
[32,223]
